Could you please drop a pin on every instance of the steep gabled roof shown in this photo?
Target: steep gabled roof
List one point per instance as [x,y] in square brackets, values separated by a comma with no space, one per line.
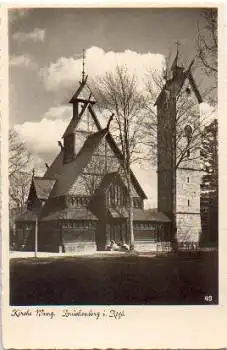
[187,74]
[55,168]
[70,171]
[103,186]
[43,186]
[26,216]
[83,93]
[71,127]
[118,153]
[107,180]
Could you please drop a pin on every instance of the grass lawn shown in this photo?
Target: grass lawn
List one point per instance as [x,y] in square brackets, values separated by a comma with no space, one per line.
[183,278]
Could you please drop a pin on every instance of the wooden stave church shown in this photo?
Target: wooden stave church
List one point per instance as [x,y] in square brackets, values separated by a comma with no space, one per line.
[81,211]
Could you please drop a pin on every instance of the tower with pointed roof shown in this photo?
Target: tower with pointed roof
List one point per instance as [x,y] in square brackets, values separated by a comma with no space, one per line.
[178,143]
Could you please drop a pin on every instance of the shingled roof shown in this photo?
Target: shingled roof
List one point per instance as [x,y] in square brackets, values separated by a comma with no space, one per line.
[28,216]
[43,186]
[55,168]
[70,171]
[139,215]
[79,214]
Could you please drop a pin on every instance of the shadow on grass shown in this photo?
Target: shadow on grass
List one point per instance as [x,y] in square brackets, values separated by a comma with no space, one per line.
[183,278]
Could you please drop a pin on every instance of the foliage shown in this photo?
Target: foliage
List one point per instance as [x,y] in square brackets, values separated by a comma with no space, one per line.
[209,187]
[207,49]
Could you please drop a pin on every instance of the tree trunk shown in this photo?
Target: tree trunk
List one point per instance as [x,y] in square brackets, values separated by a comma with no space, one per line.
[130,213]
[173,157]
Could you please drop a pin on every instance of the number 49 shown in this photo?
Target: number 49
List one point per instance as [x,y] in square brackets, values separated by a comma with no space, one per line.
[208,298]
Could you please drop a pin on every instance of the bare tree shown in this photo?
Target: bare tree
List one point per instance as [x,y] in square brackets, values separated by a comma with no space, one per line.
[117,92]
[19,175]
[207,48]
[19,157]
[21,165]
[187,141]
[207,45]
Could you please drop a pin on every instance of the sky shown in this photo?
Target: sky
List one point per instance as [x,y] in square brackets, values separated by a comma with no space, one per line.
[45,49]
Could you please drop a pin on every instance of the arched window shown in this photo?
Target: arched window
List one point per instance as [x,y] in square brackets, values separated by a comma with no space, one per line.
[115,196]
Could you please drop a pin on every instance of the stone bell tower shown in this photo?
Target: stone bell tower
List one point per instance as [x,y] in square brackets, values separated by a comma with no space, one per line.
[178,145]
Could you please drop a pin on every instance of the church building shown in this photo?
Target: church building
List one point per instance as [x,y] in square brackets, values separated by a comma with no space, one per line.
[81,202]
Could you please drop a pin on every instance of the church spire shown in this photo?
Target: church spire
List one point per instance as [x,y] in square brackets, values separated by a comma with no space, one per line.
[83,63]
[175,62]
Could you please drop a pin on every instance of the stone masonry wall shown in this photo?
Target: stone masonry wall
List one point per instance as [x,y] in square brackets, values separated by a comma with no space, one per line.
[188,175]
[188,191]
[188,227]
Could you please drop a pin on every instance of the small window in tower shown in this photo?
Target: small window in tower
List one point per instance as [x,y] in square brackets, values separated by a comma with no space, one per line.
[188,179]
[188,203]
[188,91]
[188,132]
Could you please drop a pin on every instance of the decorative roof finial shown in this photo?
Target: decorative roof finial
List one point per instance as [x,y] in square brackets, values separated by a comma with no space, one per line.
[83,71]
[61,145]
[175,62]
[178,44]
[33,172]
[109,121]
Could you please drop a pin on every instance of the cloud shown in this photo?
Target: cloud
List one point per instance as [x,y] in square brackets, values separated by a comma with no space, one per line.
[66,71]
[22,61]
[37,35]
[59,112]
[41,136]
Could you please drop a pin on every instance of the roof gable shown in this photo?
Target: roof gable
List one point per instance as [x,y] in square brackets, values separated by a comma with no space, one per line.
[118,153]
[57,168]
[83,93]
[175,85]
[107,180]
[70,171]
[43,186]
[75,121]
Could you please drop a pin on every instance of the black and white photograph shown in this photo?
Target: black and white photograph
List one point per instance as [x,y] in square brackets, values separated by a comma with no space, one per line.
[113,156]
